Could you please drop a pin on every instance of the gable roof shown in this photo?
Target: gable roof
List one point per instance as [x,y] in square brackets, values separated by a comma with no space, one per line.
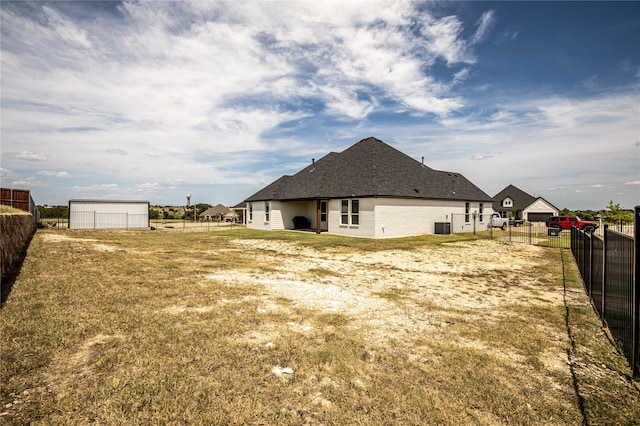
[521,200]
[216,210]
[370,168]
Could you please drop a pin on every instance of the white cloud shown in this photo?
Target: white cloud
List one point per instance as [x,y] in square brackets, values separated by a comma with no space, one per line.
[66,29]
[148,186]
[117,151]
[26,156]
[485,156]
[5,173]
[28,182]
[443,39]
[484,24]
[53,173]
[633,182]
[96,188]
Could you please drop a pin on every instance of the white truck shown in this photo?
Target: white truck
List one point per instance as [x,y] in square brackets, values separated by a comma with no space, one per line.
[498,222]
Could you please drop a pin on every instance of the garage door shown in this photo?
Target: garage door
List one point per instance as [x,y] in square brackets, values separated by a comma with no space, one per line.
[538,217]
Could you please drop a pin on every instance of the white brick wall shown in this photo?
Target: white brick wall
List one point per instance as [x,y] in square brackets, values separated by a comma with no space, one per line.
[378,217]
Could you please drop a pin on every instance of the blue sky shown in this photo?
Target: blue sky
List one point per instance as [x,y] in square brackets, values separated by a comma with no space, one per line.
[154,100]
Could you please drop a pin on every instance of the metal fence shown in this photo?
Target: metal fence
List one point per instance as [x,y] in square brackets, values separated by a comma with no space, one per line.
[535,233]
[609,269]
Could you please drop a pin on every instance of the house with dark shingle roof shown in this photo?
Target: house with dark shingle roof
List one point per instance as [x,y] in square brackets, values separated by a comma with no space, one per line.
[216,213]
[370,190]
[513,202]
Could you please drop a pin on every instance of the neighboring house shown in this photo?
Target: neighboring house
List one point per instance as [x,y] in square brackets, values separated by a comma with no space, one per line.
[217,213]
[108,214]
[513,202]
[370,190]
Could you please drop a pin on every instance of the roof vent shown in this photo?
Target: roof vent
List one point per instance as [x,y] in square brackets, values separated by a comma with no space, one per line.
[313,161]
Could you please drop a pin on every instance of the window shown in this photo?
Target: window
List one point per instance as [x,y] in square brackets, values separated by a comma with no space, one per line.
[323,211]
[467,208]
[480,210]
[350,216]
[250,211]
[355,211]
[344,218]
[266,211]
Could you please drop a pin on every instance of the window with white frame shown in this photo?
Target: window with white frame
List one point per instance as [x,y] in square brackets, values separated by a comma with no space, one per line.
[480,211]
[467,209]
[344,212]
[250,211]
[355,212]
[266,211]
[350,212]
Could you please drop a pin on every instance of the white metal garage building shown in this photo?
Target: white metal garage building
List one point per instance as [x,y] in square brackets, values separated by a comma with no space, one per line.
[108,214]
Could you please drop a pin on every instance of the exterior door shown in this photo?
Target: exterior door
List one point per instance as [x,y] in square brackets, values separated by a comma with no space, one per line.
[323,216]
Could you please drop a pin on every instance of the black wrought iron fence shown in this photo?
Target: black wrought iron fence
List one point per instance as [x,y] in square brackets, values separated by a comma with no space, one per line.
[535,233]
[609,268]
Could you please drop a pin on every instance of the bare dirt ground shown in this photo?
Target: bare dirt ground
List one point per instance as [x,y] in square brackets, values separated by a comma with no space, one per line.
[387,291]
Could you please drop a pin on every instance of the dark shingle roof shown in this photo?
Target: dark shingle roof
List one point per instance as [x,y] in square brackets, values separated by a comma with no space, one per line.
[521,200]
[216,210]
[370,168]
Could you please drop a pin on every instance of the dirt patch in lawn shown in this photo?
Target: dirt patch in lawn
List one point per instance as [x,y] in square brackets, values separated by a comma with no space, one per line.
[387,291]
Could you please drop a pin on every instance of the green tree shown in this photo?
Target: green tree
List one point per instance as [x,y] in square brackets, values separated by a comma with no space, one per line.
[587,215]
[616,214]
[53,212]
[202,207]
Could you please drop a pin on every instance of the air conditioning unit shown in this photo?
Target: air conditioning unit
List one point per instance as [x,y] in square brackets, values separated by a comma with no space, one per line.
[442,228]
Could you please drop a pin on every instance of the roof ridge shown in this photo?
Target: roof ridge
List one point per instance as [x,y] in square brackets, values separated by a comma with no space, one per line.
[374,166]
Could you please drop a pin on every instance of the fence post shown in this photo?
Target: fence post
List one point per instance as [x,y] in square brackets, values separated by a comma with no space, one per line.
[587,258]
[591,265]
[635,353]
[604,269]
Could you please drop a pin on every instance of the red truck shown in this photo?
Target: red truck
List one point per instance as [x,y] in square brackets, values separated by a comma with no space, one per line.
[566,222]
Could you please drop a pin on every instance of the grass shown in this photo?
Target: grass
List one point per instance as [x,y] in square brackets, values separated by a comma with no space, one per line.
[126,329]
[11,210]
